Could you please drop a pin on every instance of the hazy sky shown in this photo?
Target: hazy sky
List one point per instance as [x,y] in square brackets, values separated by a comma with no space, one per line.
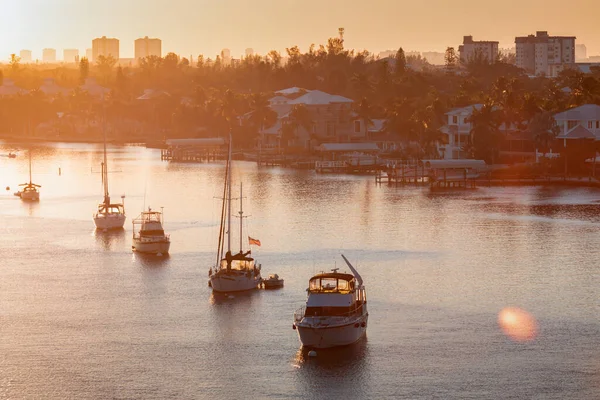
[206,26]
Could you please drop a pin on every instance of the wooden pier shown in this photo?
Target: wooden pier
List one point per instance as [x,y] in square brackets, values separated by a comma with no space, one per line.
[402,174]
[194,150]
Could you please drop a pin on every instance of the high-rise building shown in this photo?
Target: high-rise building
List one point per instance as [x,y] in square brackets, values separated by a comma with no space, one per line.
[49,55]
[89,54]
[71,55]
[580,52]
[25,56]
[226,56]
[471,49]
[249,52]
[105,47]
[545,55]
[145,47]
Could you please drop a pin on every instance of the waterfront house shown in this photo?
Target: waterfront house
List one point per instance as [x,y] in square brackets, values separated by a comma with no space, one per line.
[517,144]
[457,132]
[94,89]
[51,89]
[8,88]
[330,119]
[586,116]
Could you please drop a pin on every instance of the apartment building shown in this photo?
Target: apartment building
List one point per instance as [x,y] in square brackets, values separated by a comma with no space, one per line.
[146,47]
[470,49]
[105,47]
[541,54]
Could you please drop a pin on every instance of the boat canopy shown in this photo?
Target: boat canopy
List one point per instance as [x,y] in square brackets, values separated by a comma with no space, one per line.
[239,261]
[331,283]
[104,208]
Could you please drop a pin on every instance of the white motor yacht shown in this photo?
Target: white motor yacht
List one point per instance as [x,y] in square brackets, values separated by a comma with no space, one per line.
[232,272]
[150,237]
[336,310]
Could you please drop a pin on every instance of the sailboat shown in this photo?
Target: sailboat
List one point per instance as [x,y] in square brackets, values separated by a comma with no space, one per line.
[109,215]
[232,272]
[29,191]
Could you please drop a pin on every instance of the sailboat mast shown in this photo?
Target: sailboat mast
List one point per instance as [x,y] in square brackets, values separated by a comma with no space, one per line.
[104,164]
[229,197]
[241,217]
[30,166]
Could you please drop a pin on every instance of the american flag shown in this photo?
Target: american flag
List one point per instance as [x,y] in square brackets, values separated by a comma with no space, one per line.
[253,241]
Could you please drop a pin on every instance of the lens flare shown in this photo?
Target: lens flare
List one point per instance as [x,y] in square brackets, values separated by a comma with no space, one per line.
[517,324]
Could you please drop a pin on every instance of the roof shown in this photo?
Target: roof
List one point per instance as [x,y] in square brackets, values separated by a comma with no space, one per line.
[49,87]
[292,90]
[579,132]
[195,142]
[278,99]
[345,147]
[465,110]
[581,113]
[337,275]
[150,94]
[316,97]
[8,88]
[377,125]
[93,88]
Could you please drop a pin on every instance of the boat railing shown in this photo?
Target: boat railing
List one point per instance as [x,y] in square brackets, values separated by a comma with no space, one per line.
[138,236]
[299,314]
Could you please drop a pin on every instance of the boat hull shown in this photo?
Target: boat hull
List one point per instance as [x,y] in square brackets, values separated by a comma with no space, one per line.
[225,283]
[114,221]
[151,247]
[29,196]
[327,337]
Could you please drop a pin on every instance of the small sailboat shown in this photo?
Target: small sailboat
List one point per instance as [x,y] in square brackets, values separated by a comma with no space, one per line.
[232,272]
[109,215]
[336,310]
[29,191]
[150,237]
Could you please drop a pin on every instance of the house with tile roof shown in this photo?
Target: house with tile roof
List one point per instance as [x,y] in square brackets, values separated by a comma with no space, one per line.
[330,115]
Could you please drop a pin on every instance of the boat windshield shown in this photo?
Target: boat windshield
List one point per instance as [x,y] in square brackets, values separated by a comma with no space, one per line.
[110,209]
[239,265]
[330,285]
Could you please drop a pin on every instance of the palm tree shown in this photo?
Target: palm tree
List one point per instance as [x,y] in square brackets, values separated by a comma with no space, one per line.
[299,117]
[485,135]
[364,112]
[362,84]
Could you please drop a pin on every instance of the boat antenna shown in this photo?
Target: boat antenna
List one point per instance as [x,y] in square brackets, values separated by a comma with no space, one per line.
[241,219]
[30,166]
[356,274]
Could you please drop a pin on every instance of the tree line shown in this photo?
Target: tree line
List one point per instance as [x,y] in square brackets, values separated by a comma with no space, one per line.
[206,97]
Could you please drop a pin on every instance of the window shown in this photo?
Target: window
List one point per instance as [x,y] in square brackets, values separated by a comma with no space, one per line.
[590,124]
[571,124]
[597,124]
[356,126]
[455,119]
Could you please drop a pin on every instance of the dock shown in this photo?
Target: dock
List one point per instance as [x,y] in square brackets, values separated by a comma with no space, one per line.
[193,150]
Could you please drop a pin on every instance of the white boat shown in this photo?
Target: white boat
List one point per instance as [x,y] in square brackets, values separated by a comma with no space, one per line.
[150,237]
[272,282]
[109,215]
[336,310]
[29,191]
[232,272]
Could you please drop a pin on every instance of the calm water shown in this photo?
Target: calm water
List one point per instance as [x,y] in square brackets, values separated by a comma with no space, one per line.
[82,317]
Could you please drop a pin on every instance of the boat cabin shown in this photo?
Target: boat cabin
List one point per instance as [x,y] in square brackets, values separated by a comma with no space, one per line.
[331,283]
[334,294]
[238,262]
[107,209]
[150,223]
